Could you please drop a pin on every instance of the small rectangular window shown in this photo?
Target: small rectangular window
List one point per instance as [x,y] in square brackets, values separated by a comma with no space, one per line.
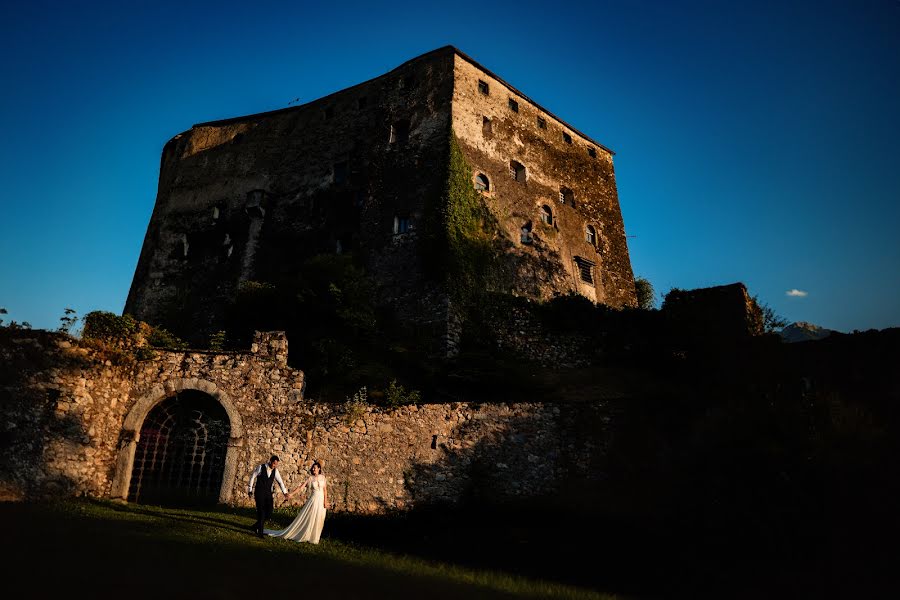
[567,138]
[399,132]
[329,112]
[513,105]
[541,123]
[341,171]
[483,87]
[362,102]
[592,152]
[585,270]
[401,225]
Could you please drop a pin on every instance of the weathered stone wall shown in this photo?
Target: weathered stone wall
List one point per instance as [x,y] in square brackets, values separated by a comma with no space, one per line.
[724,312]
[547,265]
[251,198]
[71,420]
[519,331]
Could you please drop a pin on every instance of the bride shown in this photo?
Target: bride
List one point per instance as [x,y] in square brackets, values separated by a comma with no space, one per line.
[307,526]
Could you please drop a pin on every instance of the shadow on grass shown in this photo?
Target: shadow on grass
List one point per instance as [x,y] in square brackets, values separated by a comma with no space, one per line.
[105,549]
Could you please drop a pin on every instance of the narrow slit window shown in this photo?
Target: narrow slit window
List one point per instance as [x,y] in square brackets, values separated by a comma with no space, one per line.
[341,171]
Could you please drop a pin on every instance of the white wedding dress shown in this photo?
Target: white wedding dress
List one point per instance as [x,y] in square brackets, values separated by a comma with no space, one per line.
[307,527]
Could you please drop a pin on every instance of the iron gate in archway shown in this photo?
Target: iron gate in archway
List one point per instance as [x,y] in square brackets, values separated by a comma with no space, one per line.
[180,456]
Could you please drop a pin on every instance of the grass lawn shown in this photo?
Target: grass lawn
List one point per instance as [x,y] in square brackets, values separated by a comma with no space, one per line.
[104,549]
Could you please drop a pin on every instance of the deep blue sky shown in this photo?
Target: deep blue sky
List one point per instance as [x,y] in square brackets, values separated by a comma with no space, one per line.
[755,141]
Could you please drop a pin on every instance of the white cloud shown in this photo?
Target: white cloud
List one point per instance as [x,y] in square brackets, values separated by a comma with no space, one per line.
[795,293]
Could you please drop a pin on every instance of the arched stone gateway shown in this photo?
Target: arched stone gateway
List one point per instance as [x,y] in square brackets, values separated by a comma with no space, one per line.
[179,442]
[180,455]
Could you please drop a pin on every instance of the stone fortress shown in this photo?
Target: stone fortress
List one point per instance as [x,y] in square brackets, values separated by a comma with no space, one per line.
[250,198]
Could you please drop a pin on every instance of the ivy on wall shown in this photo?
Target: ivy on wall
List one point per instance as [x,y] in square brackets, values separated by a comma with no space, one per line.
[466,231]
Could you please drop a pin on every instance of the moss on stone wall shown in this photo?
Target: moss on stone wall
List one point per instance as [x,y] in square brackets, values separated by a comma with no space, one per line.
[467,232]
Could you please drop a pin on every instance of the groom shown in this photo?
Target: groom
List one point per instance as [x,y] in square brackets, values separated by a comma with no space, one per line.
[264,476]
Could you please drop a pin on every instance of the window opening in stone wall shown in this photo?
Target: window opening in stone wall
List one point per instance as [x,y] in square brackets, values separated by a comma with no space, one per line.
[341,170]
[483,87]
[584,270]
[362,102]
[180,455]
[566,196]
[567,138]
[517,171]
[590,235]
[329,112]
[486,127]
[513,105]
[541,123]
[401,224]
[399,132]
[546,215]
[592,152]
[482,183]
[525,233]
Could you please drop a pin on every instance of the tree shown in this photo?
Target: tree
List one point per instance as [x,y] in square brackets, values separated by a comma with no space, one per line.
[645,294]
[771,321]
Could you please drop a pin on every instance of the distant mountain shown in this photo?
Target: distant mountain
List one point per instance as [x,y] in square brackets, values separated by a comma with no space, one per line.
[804,332]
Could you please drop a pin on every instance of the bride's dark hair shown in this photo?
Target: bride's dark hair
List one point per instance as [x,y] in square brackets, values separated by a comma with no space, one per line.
[316,464]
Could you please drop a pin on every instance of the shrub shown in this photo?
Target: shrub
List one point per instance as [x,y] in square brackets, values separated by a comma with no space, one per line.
[163,338]
[355,406]
[397,395]
[103,325]
[217,341]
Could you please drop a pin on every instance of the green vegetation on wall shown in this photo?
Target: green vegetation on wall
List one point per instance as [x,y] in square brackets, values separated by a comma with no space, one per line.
[467,231]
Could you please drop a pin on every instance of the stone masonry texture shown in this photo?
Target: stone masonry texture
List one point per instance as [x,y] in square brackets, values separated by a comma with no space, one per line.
[71,416]
[250,198]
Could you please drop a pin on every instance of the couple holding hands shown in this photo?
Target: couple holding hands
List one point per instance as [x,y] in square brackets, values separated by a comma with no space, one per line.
[307,526]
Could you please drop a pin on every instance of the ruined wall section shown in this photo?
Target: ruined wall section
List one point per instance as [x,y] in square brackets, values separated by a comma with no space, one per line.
[549,263]
[70,416]
[251,198]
